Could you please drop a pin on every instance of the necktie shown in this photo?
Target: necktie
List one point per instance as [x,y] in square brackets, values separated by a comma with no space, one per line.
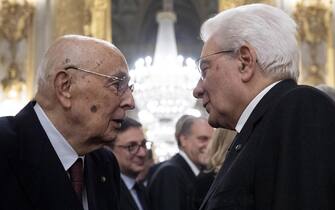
[140,194]
[76,176]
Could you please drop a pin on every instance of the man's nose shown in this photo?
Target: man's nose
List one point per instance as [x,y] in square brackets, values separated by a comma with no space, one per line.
[127,100]
[198,90]
[142,151]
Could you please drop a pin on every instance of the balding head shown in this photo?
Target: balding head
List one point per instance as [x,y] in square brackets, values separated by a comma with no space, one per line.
[83,88]
[72,50]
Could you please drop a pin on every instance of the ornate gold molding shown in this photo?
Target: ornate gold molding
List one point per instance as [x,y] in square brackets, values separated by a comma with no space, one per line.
[86,17]
[226,4]
[68,17]
[314,21]
[98,19]
[15,23]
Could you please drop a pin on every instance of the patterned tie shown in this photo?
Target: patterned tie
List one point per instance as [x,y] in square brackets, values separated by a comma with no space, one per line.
[76,176]
[140,194]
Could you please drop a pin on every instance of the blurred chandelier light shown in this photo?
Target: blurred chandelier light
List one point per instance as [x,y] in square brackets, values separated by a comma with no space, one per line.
[163,86]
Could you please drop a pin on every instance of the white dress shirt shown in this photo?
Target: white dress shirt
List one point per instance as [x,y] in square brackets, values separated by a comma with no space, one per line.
[194,168]
[64,151]
[251,106]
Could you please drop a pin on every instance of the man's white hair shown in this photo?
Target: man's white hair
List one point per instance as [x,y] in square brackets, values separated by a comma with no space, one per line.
[268,29]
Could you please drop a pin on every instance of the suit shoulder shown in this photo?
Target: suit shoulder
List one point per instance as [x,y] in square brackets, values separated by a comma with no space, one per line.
[168,170]
[8,134]
[305,99]
[7,128]
[168,167]
[306,92]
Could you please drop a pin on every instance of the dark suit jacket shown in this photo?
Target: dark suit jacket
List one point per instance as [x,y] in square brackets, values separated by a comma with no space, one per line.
[203,182]
[172,185]
[283,158]
[126,199]
[33,177]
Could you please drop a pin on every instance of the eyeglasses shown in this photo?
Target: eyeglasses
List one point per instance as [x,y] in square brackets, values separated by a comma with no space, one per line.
[122,83]
[201,63]
[133,147]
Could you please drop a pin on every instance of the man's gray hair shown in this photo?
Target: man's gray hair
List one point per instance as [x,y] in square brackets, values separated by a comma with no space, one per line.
[268,29]
[183,126]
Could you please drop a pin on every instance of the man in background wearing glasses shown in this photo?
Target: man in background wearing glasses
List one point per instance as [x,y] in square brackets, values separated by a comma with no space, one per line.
[130,148]
[51,153]
[283,155]
[172,184]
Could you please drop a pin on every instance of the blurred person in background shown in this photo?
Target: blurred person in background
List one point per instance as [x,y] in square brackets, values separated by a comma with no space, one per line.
[130,148]
[145,174]
[172,184]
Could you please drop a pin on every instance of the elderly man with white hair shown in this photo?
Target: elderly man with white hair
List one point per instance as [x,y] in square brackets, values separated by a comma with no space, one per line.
[283,155]
[51,152]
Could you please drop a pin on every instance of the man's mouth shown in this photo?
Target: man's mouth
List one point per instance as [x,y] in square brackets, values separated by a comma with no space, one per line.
[118,122]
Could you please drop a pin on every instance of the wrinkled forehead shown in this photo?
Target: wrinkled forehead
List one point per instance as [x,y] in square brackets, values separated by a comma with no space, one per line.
[111,64]
[210,46]
[106,58]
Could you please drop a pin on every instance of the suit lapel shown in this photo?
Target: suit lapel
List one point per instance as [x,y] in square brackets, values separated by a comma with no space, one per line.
[37,166]
[90,179]
[181,163]
[257,114]
[217,179]
[102,188]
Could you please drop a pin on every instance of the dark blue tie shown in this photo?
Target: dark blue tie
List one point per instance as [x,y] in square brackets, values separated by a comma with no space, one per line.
[140,194]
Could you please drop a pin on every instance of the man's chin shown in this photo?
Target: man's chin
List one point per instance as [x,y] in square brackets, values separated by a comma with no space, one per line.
[109,137]
[213,122]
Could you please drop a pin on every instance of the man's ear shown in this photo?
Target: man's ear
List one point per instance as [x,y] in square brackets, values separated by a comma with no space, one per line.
[247,58]
[182,140]
[62,83]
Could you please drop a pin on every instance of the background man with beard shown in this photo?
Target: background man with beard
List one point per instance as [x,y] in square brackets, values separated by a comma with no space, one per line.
[172,184]
[130,148]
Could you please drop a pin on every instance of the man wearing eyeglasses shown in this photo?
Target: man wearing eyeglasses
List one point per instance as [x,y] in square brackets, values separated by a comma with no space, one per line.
[173,182]
[283,155]
[51,153]
[130,148]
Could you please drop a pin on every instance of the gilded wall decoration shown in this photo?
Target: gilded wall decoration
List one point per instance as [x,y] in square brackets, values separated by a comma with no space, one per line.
[15,21]
[226,4]
[97,19]
[313,31]
[69,17]
[86,17]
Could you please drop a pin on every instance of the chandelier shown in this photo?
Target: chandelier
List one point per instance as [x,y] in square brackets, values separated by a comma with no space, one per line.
[163,84]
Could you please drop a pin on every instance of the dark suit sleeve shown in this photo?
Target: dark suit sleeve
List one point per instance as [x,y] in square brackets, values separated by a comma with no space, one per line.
[295,165]
[166,189]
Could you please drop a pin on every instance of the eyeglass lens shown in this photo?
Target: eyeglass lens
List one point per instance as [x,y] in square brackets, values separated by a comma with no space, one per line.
[134,147]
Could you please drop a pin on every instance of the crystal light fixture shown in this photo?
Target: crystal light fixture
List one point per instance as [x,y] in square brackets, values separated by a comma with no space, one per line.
[163,85]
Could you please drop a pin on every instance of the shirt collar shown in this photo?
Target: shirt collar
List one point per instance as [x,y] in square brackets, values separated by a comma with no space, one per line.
[251,106]
[64,151]
[130,182]
[193,167]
